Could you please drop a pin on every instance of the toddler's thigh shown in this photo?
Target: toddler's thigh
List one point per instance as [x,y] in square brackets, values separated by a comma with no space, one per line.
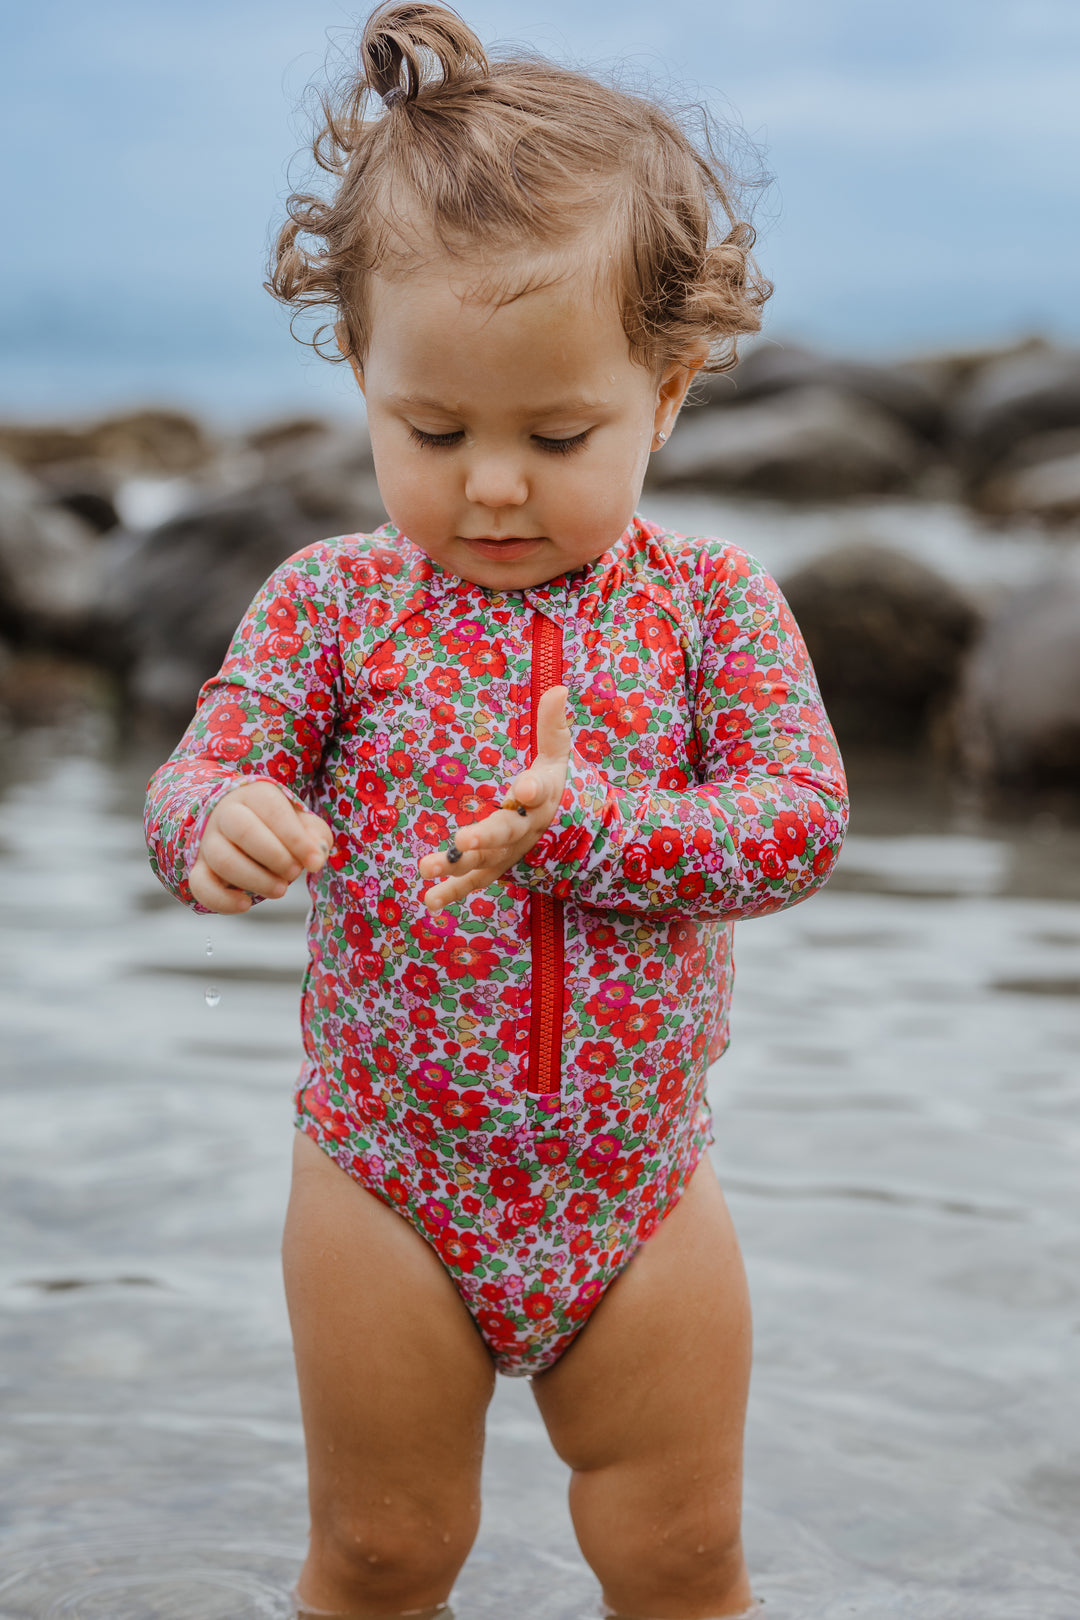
[648,1405]
[394,1378]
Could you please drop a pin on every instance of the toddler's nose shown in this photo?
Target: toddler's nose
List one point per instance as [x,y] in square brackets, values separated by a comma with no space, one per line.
[495,481]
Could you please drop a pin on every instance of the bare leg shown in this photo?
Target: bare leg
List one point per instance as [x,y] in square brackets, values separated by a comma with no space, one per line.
[647,1407]
[394,1385]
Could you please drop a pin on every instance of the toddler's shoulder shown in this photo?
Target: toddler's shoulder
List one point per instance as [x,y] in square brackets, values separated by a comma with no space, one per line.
[349,567]
[704,571]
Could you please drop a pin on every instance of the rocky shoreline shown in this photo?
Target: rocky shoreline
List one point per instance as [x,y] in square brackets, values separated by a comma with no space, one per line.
[133,544]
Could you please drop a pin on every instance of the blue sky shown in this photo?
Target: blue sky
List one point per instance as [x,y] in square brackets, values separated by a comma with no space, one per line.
[926,154]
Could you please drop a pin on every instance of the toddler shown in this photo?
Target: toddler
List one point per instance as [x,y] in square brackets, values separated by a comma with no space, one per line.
[535,756]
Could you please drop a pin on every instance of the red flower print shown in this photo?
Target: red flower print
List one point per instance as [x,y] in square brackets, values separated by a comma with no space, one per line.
[635,863]
[630,715]
[690,887]
[431,828]
[585,1299]
[464,1110]
[536,1306]
[598,1091]
[417,1124]
[620,1178]
[429,1080]
[226,719]
[400,762]
[447,773]
[457,1249]
[432,931]
[682,936]
[638,1023]
[593,746]
[673,778]
[281,615]
[421,980]
[482,659]
[370,787]
[509,1182]
[464,955]
[665,848]
[789,831]
[389,912]
[823,861]
[497,1329]
[357,931]
[656,633]
[582,1206]
[552,1150]
[444,682]
[384,1059]
[527,1211]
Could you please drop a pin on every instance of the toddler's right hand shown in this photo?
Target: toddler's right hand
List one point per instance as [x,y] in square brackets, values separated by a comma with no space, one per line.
[256,842]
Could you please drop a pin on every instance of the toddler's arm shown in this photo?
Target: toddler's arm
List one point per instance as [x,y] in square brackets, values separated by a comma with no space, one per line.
[224,815]
[764,826]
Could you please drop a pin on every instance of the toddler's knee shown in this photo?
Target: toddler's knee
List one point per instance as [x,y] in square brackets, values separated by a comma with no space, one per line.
[677,1557]
[396,1563]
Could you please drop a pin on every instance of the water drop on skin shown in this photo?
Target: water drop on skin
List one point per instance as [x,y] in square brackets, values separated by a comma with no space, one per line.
[213,995]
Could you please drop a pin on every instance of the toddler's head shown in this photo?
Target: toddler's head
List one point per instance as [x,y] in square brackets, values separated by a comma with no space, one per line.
[525,269]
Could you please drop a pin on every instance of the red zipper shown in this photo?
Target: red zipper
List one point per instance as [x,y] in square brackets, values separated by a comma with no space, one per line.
[545,1031]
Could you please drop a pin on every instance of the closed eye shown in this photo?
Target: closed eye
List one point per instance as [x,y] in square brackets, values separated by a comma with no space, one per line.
[562,447]
[436,441]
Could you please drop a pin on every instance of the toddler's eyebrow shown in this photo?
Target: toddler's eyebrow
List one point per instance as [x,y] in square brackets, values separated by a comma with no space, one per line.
[560,407]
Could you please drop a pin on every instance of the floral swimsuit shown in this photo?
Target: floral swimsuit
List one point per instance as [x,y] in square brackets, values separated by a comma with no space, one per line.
[522,1076]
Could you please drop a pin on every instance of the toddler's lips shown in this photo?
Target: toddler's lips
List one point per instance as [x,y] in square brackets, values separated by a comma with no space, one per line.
[513,546]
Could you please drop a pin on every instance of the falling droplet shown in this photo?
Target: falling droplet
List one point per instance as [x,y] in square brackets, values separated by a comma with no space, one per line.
[209,947]
[213,995]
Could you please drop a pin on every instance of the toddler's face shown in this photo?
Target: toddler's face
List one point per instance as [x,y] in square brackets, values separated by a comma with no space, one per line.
[510,442]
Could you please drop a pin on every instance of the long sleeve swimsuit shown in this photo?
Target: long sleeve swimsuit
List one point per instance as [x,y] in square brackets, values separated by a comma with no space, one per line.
[521,1076]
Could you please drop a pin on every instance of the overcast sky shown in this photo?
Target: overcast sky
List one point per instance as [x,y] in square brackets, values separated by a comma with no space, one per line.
[926,154]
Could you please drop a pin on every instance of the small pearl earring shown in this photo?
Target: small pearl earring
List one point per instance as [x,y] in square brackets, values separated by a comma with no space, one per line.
[662,437]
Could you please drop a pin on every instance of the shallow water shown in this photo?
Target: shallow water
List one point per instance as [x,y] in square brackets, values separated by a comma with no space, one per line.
[898,1130]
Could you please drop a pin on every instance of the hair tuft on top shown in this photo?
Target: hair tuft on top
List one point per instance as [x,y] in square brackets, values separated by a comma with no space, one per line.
[507,158]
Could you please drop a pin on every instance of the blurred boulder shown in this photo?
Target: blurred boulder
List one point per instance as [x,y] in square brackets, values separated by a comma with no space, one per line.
[773,368]
[331,477]
[1040,478]
[1033,392]
[812,443]
[1018,714]
[179,591]
[887,637]
[83,488]
[133,442]
[50,568]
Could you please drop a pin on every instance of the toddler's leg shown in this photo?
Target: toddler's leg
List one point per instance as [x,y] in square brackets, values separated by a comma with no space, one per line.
[394,1385]
[647,1407]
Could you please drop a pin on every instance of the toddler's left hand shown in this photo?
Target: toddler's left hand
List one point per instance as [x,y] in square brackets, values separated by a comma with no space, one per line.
[489,848]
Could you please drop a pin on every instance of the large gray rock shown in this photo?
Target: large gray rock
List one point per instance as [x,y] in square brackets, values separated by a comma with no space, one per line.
[1018,715]
[887,637]
[806,444]
[774,368]
[1033,392]
[1040,478]
[50,566]
[179,591]
[144,441]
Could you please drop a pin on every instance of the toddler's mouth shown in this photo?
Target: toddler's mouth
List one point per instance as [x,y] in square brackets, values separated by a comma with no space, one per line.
[513,545]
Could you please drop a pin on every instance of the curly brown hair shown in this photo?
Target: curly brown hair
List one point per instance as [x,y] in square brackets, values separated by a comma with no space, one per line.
[521,156]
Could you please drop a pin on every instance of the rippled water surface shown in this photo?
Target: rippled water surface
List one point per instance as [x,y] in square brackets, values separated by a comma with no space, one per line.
[898,1131]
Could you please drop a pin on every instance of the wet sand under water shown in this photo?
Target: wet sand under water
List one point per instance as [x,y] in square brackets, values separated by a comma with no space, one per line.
[898,1133]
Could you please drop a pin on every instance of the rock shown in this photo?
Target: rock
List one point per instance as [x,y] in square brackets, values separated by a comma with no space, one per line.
[774,368]
[1039,479]
[1033,392]
[288,434]
[180,590]
[1018,715]
[85,489]
[331,477]
[806,444]
[147,441]
[887,637]
[50,568]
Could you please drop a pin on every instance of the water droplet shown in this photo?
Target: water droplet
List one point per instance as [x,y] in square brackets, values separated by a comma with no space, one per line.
[209,947]
[213,995]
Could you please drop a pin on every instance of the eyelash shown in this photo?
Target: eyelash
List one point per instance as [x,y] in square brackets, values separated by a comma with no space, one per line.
[448,441]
